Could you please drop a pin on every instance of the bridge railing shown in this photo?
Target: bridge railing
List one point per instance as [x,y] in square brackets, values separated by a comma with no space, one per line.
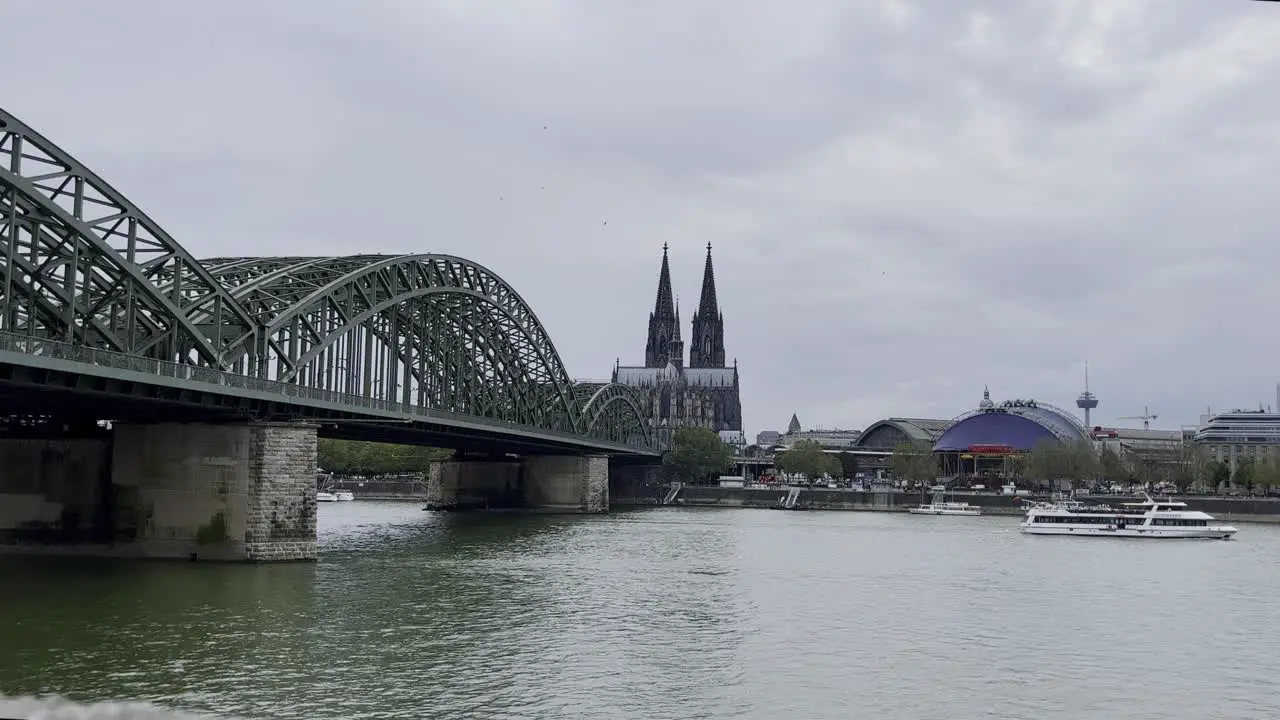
[57,349]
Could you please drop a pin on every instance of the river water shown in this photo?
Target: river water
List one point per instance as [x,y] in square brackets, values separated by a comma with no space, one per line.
[661,614]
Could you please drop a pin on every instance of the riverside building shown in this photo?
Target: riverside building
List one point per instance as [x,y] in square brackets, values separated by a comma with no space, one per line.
[1240,435]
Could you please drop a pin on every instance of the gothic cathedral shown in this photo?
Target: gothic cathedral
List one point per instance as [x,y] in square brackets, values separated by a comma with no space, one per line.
[704,394]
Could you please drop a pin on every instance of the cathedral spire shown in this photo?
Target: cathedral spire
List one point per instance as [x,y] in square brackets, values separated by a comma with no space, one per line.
[665,304]
[707,303]
[707,344]
[663,344]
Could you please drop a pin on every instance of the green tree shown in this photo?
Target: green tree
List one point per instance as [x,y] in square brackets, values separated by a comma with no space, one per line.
[1267,472]
[1053,462]
[696,455]
[807,458]
[1081,462]
[1245,475]
[1111,466]
[1192,467]
[352,457]
[1219,473]
[914,463]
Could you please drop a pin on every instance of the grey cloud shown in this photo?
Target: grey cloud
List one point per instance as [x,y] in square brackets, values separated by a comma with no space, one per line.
[898,216]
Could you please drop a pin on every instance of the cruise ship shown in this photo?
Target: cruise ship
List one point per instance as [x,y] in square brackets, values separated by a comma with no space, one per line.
[1157,519]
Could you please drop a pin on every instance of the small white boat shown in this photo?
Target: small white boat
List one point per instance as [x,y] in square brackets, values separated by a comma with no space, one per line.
[1159,519]
[325,496]
[344,495]
[939,506]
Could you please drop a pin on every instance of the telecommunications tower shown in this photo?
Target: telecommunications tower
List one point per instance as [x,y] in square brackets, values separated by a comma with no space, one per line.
[1087,400]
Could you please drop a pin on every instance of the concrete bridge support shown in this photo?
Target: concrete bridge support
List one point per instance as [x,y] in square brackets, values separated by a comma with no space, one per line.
[178,490]
[54,490]
[551,483]
[568,483]
[226,492]
[474,485]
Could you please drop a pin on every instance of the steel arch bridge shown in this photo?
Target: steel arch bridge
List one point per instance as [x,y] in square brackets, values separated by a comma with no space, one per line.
[86,269]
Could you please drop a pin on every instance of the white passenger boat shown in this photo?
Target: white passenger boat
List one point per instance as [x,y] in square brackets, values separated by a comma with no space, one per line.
[344,495]
[325,496]
[1168,519]
[939,506]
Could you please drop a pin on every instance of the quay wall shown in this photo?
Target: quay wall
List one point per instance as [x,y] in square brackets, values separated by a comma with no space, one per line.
[646,491]
[1225,509]
[380,489]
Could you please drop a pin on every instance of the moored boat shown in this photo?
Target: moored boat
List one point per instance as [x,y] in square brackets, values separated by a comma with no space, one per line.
[325,496]
[344,495]
[1157,519]
[939,505]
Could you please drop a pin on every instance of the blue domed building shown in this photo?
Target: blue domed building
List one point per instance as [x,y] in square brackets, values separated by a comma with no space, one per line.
[981,441]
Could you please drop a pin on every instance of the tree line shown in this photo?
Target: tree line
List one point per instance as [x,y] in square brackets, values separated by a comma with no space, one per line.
[353,457]
[1186,467]
[698,455]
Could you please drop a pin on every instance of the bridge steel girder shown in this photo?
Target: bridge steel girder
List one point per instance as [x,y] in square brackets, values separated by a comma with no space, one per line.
[85,265]
[613,412]
[434,331]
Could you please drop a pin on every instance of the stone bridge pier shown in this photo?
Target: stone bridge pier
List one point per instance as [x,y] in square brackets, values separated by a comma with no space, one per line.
[171,490]
[549,483]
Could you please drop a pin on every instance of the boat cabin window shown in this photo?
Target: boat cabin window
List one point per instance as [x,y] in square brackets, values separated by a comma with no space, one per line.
[1111,520]
[1088,519]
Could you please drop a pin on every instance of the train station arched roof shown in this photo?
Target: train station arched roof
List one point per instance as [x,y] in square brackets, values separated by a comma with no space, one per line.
[889,433]
[1016,424]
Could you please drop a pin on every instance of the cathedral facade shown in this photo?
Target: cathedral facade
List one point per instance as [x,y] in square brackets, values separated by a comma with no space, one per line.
[703,393]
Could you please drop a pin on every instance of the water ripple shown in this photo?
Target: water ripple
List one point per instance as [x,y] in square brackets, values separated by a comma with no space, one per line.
[662,614]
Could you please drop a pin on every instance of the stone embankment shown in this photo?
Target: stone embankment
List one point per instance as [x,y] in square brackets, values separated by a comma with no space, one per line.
[1223,508]
[397,489]
[644,494]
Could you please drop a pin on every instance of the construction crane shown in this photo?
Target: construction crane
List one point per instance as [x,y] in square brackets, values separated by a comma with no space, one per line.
[1146,417]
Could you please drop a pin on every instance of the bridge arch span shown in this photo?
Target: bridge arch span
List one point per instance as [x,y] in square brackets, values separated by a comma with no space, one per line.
[614,412]
[430,330]
[88,265]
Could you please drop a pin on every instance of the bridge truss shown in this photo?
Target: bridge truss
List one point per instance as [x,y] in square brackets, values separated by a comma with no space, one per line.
[85,267]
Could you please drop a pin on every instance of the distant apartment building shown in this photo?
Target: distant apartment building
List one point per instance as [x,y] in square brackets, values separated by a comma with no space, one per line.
[1240,435]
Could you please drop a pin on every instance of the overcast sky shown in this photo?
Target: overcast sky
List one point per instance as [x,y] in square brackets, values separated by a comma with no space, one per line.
[907,200]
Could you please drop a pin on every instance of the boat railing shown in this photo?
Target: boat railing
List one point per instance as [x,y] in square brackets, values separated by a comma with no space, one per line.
[1124,509]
